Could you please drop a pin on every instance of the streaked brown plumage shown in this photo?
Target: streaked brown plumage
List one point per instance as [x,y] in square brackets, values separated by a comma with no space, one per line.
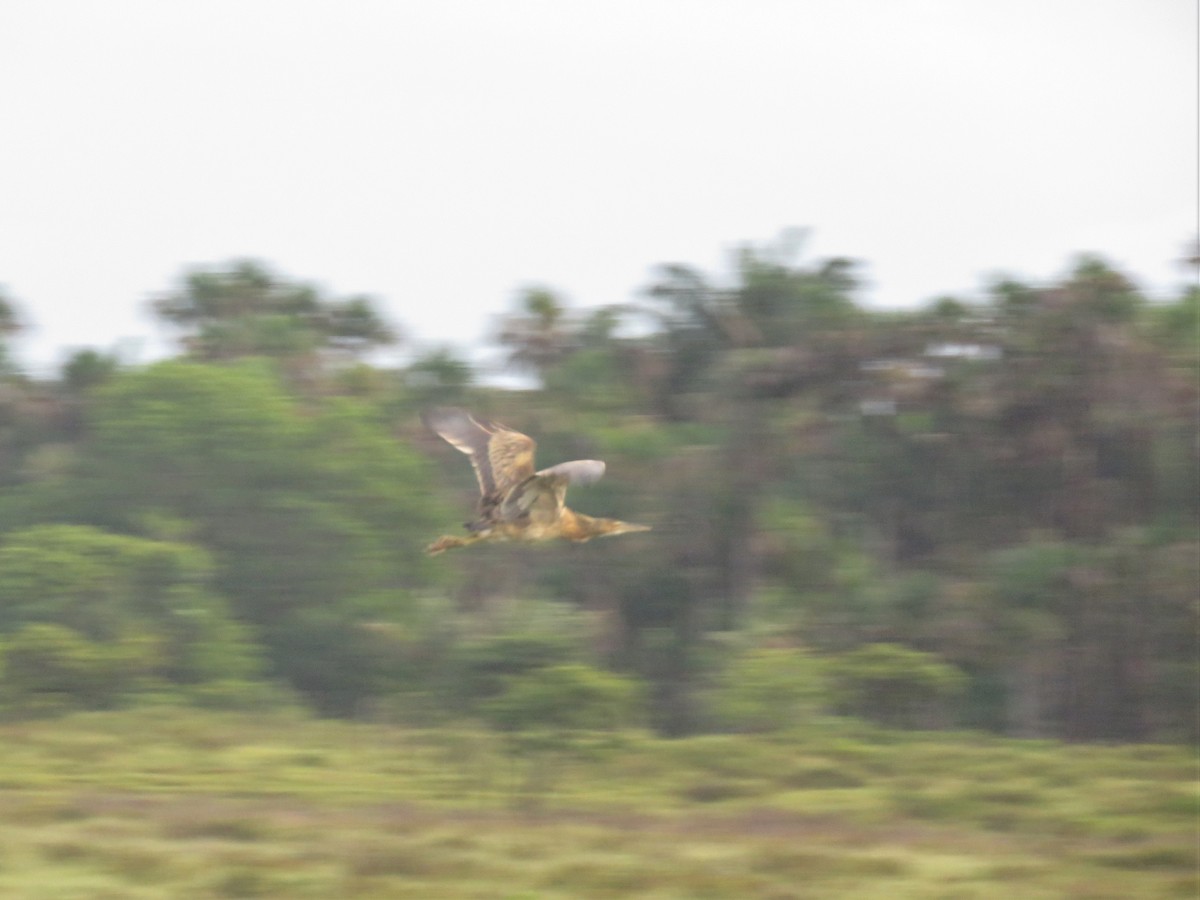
[516,502]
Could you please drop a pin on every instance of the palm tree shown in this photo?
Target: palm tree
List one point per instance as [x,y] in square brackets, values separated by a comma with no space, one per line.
[537,336]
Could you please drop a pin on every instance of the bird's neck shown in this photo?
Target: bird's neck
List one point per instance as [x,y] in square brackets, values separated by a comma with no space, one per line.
[580,527]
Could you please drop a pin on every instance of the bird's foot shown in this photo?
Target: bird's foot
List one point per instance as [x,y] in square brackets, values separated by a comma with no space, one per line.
[442,544]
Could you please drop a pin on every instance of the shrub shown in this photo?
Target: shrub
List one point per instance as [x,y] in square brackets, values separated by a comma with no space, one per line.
[769,689]
[895,685]
[562,698]
[49,668]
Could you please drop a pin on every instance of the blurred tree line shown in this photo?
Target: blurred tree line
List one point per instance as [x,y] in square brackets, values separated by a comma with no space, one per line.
[971,514]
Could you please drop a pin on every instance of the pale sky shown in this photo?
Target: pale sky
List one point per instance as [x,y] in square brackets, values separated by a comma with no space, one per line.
[440,155]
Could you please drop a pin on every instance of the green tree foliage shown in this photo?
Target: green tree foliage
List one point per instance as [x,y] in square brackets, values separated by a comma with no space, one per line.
[10,324]
[688,338]
[438,378]
[27,413]
[242,308]
[301,510]
[1104,621]
[601,372]
[87,368]
[297,508]
[97,583]
[1007,485]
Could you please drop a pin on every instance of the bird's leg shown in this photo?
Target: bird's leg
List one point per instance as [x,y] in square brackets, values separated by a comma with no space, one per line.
[450,542]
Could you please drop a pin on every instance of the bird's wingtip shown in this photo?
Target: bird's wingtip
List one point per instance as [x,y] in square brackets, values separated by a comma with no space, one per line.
[432,416]
[577,471]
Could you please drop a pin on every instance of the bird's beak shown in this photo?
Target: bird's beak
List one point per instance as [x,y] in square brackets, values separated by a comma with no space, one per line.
[626,528]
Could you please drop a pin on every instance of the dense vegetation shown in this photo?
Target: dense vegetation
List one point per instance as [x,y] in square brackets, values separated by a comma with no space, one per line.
[168,802]
[968,515]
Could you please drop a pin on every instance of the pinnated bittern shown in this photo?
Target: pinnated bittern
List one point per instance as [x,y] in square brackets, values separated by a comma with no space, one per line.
[516,502]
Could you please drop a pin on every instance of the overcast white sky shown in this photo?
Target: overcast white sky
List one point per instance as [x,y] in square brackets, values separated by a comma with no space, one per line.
[439,155]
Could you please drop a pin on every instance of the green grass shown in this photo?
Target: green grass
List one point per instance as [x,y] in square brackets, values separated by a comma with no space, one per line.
[169,803]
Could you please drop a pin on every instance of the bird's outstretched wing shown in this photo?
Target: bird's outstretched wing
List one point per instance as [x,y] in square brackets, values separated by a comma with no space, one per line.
[502,458]
[542,496]
[577,471]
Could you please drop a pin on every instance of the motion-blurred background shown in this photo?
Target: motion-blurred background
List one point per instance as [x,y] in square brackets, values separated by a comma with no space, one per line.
[927,465]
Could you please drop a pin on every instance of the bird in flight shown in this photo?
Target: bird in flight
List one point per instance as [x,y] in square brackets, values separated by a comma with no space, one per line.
[517,503]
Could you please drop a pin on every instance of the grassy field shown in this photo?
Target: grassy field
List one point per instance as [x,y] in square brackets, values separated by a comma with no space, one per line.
[168,803]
